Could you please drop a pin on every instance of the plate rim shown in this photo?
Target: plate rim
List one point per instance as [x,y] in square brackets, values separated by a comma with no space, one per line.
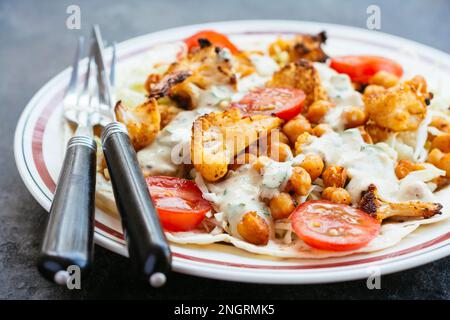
[184,266]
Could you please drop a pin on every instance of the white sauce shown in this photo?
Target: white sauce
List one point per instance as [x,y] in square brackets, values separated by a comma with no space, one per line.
[172,145]
[265,66]
[366,164]
[245,189]
[275,175]
[237,194]
[213,96]
[341,92]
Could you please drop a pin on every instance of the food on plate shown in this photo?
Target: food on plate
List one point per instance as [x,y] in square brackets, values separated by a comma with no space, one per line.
[336,227]
[179,202]
[281,149]
[366,68]
[372,203]
[300,75]
[218,137]
[210,37]
[400,108]
[190,79]
[253,228]
[142,122]
[285,103]
[302,46]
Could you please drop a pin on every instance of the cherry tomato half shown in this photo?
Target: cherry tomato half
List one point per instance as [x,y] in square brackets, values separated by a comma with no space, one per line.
[361,68]
[335,227]
[216,38]
[179,202]
[285,103]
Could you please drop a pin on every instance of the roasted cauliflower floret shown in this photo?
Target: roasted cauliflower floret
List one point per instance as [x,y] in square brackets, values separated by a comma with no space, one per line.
[143,122]
[218,137]
[303,46]
[199,70]
[168,110]
[300,75]
[158,86]
[372,204]
[400,108]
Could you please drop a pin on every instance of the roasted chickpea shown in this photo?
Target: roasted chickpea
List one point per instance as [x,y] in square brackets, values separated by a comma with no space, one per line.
[419,83]
[373,89]
[302,139]
[441,160]
[300,181]
[321,129]
[253,228]
[444,164]
[261,162]
[354,117]
[442,142]
[244,158]
[334,176]
[384,79]
[277,136]
[279,151]
[313,164]
[404,167]
[281,206]
[295,127]
[441,124]
[317,110]
[435,156]
[337,195]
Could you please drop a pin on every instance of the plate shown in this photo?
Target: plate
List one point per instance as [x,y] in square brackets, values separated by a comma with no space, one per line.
[39,148]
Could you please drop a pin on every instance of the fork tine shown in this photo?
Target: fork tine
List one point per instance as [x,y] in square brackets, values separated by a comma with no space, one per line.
[87,115]
[89,69]
[74,76]
[112,69]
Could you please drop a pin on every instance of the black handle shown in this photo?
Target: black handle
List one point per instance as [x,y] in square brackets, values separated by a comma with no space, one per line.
[147,244]
[68,238]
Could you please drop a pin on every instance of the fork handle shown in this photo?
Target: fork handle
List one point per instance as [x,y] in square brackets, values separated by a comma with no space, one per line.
[68,238]
[147,244]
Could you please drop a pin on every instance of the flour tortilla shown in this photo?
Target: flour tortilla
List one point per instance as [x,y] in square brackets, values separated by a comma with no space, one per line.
[390,234]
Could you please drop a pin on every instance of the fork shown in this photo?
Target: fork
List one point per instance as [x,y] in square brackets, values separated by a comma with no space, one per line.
[68,239]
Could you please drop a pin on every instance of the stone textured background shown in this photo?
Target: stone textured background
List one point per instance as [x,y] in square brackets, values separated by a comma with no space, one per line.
[35,46]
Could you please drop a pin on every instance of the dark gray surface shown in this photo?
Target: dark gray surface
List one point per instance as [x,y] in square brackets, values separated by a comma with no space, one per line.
[35,45]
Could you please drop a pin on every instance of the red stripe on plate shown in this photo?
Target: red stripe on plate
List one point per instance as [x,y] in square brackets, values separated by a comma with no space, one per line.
[38,138]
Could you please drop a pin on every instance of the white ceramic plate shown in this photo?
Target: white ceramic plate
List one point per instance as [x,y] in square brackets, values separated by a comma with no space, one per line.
[39,149]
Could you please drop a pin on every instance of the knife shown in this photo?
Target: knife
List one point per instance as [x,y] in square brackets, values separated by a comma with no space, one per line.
[147,244]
